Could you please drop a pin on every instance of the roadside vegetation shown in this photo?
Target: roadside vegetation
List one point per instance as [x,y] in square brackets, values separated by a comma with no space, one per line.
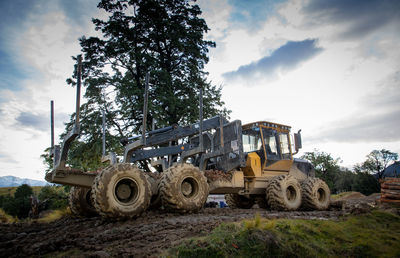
[375,234]
[361,178]
[26,202]
[4,191]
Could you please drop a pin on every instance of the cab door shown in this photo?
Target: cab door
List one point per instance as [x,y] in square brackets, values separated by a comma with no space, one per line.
[278,155]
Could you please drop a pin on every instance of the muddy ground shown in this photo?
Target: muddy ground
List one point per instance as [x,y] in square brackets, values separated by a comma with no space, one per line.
[146,236]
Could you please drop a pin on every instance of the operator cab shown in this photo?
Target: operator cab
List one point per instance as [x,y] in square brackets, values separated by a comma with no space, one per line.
[271,142]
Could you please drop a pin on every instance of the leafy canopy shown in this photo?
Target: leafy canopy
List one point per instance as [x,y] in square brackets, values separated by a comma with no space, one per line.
[162,37]
[377,161]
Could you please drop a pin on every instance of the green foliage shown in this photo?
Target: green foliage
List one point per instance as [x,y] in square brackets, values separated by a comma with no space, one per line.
[56,197]
[162,37]
[358,236]
[5,218]
[377,161]
[18,205]
[47,160]
[341,179]
[23,191]
[10,191]
[326,167]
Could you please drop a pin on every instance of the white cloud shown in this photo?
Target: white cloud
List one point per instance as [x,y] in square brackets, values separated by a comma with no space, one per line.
[326,91]
[352,80]
[44,42]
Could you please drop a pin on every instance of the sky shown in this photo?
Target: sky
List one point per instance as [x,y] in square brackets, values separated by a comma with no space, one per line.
[329,68]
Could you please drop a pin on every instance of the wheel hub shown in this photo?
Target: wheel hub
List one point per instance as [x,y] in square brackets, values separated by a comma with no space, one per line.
[186,188]
[123,191]
[321,195]
[126,191]
[189,187]
[291,193]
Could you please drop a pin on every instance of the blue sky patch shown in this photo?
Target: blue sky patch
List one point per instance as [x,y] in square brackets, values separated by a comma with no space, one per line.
[10,73]
[251,14]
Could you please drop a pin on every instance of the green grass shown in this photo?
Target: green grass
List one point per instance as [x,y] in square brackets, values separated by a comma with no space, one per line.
[11,190]
[55,215]
[376,234]
[5,218]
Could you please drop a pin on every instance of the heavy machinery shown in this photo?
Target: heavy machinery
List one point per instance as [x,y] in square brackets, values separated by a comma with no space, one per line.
[177,167]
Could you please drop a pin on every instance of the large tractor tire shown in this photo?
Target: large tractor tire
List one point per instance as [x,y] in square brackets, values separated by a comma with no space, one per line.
[80,202]
[284,193]
[236,201]
[183,188]
[121,191]
[315,194]
[262,202]
[155,201]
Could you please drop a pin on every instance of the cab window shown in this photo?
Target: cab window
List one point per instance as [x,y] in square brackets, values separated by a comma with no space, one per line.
[251,140]
[285,147]
[270,143]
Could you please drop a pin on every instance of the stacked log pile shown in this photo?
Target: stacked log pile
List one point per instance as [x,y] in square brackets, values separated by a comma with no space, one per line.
[390,190]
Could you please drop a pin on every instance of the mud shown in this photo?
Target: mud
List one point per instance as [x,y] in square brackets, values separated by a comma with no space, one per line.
[146,236]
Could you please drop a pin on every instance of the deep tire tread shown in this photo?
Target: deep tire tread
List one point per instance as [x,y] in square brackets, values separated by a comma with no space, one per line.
[101,184]
[276,191]
[236,201]
[310,200]
[78,202]
[172,200]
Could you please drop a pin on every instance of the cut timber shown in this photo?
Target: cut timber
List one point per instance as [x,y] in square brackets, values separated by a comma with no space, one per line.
[390,190]
[391,187]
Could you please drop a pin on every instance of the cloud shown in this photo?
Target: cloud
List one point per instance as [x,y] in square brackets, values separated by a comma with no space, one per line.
[364,128]
[79,11]
[25,23]
[7,158]
[361,17]
[13,12]
[31,120]
[286,57]
[378,119]
[252,14]
[40,122]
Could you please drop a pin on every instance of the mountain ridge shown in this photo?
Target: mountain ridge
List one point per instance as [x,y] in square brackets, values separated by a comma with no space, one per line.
[11,181]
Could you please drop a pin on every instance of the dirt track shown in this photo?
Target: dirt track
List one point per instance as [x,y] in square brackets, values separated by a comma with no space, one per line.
[146,236]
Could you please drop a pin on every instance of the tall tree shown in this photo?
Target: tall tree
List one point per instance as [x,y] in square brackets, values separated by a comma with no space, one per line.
[378,160]
[162,37]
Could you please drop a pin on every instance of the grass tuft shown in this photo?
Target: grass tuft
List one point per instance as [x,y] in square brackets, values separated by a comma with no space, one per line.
[373,234]
[55,215]
[5,218]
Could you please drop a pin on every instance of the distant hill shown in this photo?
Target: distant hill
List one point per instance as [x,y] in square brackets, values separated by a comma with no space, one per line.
[10,181]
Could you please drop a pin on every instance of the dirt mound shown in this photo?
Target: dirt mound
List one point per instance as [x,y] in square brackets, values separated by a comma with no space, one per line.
[349,196]
[355,202]
[146,236]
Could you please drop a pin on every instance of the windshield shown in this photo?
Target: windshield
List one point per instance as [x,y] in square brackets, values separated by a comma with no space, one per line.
[252,140]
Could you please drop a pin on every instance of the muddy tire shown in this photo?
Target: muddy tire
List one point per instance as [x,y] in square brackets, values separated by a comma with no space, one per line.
[261,202]
[236,201]
[183,188]
[284,193]
[121,191]
[155,201]
[315,194]
[80,202]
